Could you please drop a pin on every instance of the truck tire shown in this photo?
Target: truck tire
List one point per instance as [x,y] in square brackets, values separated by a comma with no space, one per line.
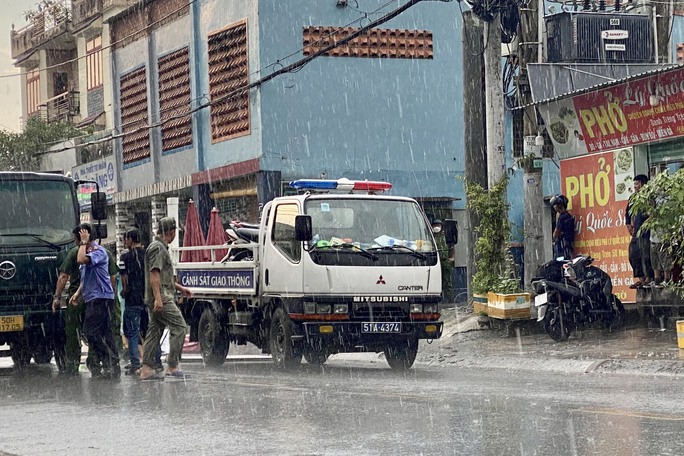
[315,358]
[401,356]
[42,353]
[213,339]
[21,355]
[280,341]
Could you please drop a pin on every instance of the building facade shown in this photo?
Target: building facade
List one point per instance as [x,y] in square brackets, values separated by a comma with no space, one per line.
[196,117]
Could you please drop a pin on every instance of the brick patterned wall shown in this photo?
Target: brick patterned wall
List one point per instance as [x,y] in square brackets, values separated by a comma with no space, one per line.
[382,43]
[145,17]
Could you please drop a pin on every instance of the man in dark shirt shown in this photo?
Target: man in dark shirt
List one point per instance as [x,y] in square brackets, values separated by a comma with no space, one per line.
[69,273]
[564,234]
[133,284]
[640,245]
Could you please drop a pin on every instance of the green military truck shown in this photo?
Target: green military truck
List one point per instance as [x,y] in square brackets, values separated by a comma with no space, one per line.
[38,212]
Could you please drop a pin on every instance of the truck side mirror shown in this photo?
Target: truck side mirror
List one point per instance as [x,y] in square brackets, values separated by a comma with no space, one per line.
[98,206]
[451,231]
[303,228]
[100,231]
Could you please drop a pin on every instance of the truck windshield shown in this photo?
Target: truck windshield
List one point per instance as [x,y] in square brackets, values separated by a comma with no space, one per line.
[36,212]
[370,230]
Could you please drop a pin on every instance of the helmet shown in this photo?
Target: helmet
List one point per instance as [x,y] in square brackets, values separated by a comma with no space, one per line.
[559,199]
[437,222]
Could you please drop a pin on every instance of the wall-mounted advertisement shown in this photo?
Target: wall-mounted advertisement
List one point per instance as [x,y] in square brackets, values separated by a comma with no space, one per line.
[103,172]
[564,129]
[598,187]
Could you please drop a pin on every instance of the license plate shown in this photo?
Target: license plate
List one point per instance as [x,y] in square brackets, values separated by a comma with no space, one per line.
[541,299]
[11,323]
[390,327]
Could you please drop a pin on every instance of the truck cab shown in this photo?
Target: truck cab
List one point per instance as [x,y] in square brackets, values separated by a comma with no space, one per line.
[352,272]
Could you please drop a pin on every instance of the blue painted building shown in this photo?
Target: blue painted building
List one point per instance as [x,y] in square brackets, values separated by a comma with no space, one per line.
[385,106]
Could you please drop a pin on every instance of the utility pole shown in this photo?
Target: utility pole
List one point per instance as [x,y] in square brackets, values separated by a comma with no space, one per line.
[529,51]
[496,156]
[475,159]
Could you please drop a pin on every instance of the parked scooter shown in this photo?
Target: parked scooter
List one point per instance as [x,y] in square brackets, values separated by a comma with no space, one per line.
[241,233]
[572,295]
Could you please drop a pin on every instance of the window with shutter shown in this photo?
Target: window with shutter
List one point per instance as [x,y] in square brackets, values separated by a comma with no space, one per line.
[174,100]
[228,81]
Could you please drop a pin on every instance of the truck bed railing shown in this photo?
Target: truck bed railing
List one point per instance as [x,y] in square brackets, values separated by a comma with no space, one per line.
[213,249]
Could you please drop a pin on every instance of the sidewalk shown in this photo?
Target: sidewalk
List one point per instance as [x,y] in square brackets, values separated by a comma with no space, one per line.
[635,350]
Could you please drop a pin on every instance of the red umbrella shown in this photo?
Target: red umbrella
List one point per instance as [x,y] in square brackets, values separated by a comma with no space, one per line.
[193,236]
[216,235]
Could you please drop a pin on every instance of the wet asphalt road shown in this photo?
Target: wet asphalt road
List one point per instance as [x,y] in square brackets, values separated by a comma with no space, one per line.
[356,407]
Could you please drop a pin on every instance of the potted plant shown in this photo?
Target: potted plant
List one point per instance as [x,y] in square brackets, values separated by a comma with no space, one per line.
[492,232]
[496,290]
[507,300]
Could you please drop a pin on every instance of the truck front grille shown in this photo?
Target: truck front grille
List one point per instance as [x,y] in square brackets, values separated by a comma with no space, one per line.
[378,312]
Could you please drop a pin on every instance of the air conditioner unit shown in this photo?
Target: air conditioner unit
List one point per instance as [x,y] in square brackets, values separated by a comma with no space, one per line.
[586,37]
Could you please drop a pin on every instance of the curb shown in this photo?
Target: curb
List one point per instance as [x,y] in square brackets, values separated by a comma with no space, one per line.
[530,362]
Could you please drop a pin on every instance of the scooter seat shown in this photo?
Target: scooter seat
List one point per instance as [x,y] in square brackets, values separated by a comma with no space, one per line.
[248,234]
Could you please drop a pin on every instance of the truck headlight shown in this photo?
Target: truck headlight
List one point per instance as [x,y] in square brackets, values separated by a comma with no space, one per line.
[430,308]
[323,308]
[416,308]
[341,309]
[309,307]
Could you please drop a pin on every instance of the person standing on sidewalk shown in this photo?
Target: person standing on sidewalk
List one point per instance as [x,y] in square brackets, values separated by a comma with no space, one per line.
[98,294]
[446,260]
[640,244]
[69,272]
[160,298]
[133,290]
[564,233]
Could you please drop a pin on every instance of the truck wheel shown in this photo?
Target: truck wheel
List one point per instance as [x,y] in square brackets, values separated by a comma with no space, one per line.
[315,358]
[401,356]
[42,353]
[21,355]
[280,341]
[213,339]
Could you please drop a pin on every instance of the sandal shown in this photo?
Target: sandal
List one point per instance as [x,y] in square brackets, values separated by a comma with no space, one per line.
[177,374]
[153,377]
[636,285]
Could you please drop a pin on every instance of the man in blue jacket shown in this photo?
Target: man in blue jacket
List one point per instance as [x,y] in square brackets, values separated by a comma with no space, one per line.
[98,294]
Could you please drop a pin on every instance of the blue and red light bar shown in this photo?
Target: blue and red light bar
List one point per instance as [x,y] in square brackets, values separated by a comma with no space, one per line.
[340,184]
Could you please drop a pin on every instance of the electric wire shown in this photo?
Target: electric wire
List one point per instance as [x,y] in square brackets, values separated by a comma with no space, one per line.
[253,73]
[293,67]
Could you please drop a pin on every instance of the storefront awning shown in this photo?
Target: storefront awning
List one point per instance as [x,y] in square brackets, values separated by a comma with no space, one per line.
[553,81]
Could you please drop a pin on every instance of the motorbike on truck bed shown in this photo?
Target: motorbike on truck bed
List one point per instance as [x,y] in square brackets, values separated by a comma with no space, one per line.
[574,294]
[329,273]
[39,212]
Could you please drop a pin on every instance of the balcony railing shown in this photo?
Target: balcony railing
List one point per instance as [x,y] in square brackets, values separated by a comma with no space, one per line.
[62,108]
[86,10]
[44,26]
